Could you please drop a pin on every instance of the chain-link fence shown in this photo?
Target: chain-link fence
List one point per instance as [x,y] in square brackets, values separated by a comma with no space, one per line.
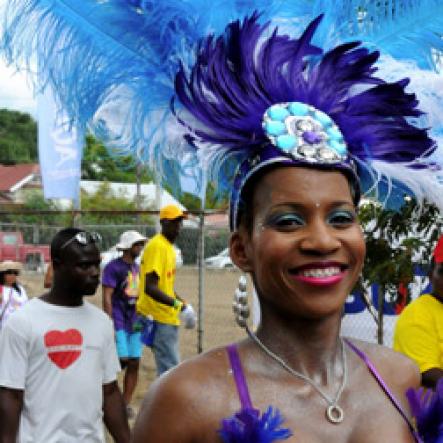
[208,286]
[206,278]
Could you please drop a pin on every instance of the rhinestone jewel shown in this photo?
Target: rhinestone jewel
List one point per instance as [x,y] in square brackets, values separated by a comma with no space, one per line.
[254,161]
[327,154]
[305,132]
[307,150]
[312,137]
[305,125]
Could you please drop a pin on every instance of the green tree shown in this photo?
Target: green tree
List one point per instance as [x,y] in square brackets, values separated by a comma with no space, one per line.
[396,241]
[106,199]
[34,201]
[18,137]
[98,164]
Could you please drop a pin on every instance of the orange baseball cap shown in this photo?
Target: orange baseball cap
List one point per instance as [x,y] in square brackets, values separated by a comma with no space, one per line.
[171,212]
[438,251]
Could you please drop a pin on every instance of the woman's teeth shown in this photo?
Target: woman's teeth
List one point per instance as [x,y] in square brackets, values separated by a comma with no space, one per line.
[322,272]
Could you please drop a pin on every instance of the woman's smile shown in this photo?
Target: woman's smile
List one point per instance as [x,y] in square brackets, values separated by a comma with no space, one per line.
[319,274]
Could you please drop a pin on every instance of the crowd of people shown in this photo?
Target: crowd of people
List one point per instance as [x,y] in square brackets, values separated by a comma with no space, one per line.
[60,355]
[303,126]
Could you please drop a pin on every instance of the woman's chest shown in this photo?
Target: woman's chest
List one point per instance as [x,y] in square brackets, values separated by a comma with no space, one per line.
[369,416]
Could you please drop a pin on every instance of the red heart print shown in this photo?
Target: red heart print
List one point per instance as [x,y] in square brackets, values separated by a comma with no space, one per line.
[64,347]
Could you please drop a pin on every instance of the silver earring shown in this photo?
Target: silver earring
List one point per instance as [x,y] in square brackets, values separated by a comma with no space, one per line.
[240,303]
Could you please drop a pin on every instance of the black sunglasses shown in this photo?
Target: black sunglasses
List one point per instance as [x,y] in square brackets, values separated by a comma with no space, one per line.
[83,238]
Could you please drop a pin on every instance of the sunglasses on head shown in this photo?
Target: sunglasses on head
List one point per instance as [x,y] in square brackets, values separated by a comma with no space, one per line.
[12,271]
[83,238]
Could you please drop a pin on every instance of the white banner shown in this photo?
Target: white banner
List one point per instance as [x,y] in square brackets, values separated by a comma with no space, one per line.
[60,151]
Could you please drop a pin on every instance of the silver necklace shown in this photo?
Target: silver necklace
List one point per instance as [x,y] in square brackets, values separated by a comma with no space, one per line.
[334,413]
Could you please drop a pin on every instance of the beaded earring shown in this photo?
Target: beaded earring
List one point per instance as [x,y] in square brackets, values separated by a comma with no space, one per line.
[240,303]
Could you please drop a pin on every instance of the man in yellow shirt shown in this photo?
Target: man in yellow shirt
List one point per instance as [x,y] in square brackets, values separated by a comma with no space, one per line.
[157,297]
[419,329]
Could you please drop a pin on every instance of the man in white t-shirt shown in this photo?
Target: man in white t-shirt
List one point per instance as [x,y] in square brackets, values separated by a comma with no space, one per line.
[58,362]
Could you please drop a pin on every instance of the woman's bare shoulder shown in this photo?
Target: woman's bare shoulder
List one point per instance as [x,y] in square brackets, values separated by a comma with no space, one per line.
[194,393]
[186,380]
[394,367]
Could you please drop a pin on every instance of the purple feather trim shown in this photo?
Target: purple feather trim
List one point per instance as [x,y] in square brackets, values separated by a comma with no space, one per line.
[238,75]
[247,426]
[427,410]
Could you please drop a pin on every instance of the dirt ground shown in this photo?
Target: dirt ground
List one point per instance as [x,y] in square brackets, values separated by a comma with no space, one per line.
[218,326]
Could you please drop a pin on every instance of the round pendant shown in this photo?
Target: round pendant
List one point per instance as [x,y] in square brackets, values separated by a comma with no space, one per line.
[334,414]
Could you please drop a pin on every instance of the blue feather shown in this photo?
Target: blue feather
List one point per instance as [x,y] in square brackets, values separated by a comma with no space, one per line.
[404,29]
[112,63]
[247,426]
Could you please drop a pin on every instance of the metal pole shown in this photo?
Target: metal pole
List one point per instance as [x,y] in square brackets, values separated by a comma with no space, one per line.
[138,195]
[381,304]
[201,260]
[76,208]
[158,200]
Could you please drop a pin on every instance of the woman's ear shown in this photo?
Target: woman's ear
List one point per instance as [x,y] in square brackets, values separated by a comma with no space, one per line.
[238,251]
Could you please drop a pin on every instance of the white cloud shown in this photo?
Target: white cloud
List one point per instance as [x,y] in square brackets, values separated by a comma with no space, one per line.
[15,91]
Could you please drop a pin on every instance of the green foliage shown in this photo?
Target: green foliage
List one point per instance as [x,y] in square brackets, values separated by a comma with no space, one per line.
[105,199]
[396,241]
[190,201]
[18,137]
[98,164]
[216,199]
[34,201]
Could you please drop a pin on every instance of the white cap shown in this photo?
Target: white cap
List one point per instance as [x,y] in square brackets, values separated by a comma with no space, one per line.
[9,265]
[128,238]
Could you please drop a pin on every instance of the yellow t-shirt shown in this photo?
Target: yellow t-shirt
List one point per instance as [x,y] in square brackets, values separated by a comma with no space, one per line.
[419,332]
[158,256]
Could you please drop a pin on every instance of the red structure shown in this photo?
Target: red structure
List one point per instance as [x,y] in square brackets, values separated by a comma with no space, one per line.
[12,247]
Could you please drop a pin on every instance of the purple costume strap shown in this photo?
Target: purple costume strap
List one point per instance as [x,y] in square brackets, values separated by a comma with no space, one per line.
[239,377]
[385,388]
[248,425]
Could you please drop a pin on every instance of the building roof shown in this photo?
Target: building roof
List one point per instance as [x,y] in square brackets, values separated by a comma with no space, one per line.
[13,177]
[217,220]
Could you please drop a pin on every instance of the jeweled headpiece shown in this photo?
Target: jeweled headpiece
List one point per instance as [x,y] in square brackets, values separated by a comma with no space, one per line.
[270,99]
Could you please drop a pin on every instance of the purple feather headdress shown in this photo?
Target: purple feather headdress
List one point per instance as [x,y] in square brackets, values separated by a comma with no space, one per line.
[265,98]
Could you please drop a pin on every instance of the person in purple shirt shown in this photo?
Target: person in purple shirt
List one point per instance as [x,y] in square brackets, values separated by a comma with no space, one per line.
[120,290]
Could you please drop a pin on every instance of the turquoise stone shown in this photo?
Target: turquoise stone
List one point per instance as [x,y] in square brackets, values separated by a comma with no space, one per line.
[286,141]
[275,128]
[338,147]
[299,109]
[323,118]
[278,112]
[335,134]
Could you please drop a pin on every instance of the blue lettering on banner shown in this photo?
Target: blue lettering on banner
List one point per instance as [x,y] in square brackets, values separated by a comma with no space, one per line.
[355,304]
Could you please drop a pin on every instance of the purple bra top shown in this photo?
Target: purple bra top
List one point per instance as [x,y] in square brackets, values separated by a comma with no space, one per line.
[248,426]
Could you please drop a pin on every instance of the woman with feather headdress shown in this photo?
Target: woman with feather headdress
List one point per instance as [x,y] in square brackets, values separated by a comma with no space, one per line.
[310,130]
[298,119]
